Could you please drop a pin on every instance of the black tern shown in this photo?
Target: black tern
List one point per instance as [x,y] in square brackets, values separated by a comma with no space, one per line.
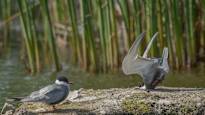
[51,94]
[152,70]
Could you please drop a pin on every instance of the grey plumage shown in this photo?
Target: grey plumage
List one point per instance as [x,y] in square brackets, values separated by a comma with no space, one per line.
[152,70]
[51,94]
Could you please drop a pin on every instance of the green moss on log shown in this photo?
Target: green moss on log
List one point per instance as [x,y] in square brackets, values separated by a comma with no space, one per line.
[154,103]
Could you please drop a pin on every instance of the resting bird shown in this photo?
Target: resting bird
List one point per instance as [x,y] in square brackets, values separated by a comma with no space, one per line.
[51,94]
[152,70]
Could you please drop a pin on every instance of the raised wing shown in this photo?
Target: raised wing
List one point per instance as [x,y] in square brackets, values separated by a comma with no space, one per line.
[132,63]
[134,48]
[149,45]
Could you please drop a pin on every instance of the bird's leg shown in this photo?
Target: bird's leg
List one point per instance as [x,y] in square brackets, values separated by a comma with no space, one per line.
[154,83]
[53,107]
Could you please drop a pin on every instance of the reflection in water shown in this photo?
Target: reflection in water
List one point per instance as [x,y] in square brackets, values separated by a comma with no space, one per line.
[15,82]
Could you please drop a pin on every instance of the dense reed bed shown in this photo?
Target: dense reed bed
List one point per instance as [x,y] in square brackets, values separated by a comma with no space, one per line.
[101,31]
[5,14]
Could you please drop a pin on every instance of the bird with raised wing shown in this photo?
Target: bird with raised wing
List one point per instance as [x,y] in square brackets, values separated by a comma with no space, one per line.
[152,70]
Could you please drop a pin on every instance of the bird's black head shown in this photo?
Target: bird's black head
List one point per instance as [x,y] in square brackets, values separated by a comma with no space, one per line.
[62,79]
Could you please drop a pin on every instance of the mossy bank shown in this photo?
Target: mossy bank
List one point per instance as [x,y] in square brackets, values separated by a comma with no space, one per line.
[163,100]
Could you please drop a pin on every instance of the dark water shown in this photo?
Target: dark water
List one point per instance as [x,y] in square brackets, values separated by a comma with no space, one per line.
[15,82]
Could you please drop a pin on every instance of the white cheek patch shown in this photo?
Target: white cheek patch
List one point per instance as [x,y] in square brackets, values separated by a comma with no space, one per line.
[61,83]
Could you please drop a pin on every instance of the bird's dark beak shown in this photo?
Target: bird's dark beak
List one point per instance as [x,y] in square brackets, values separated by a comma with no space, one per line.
[70,82]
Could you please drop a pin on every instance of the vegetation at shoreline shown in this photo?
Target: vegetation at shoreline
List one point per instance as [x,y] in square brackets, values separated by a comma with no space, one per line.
[100,32]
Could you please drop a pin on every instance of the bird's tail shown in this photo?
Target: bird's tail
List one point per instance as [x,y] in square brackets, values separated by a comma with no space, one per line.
[14,99]
[164,63]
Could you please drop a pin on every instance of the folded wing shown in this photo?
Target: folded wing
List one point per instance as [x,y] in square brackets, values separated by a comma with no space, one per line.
[49,94]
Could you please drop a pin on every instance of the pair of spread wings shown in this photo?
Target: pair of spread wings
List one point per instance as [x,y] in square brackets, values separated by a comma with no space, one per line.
[135,64]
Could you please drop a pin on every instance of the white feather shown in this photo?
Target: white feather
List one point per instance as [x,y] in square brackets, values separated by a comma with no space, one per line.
[61,83]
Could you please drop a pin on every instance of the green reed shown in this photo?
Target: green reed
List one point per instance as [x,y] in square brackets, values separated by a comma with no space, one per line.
[103,31]
[5,14]
[49,30]
[27,26]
